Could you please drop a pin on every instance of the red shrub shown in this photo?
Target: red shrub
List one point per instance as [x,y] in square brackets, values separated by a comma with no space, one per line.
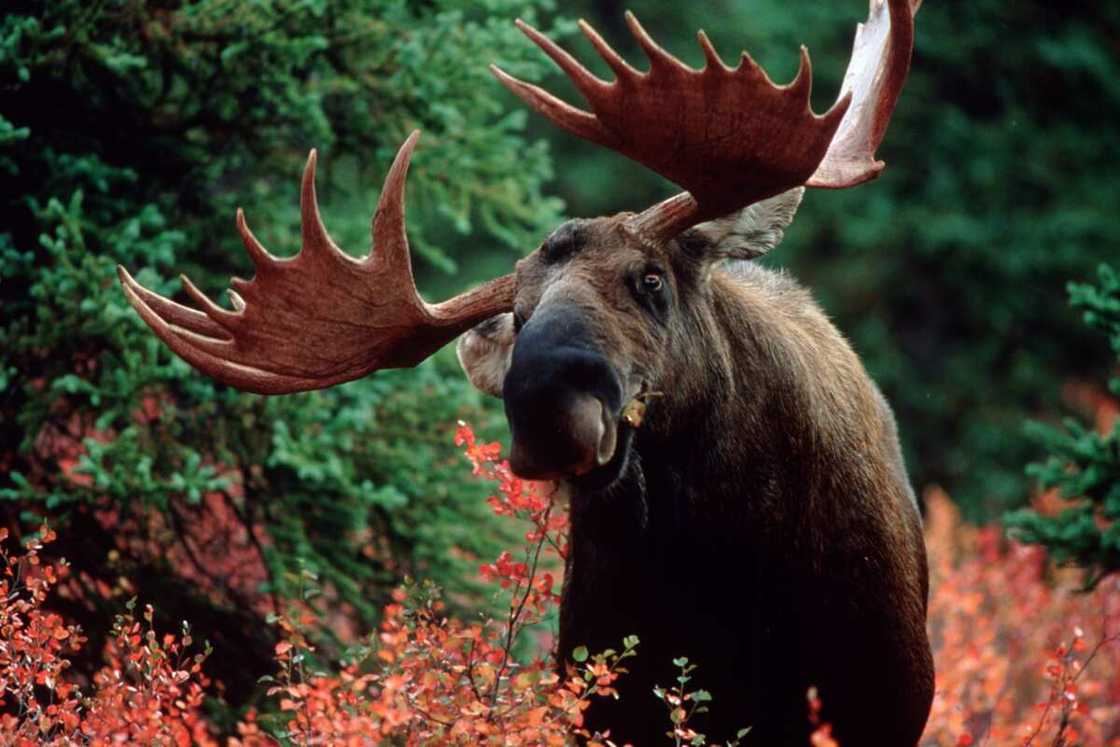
[441,680]
[1014,641]
[1022,657]
[149,691]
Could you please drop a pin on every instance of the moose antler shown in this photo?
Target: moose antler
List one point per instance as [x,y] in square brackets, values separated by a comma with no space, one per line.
[875,76]
[319,318]
[730,137]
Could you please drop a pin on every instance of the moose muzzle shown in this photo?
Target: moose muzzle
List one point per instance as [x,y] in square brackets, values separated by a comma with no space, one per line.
[562,398]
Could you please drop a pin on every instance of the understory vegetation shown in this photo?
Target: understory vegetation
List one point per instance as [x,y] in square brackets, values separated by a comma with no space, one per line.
[427,676]
[184,563]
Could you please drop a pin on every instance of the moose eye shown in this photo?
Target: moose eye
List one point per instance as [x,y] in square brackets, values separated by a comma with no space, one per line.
[652,282]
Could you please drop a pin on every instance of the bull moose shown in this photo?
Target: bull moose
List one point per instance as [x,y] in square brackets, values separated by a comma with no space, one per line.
[737,491]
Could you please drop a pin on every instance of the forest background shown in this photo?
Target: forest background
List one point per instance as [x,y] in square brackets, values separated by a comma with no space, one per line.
[130,132]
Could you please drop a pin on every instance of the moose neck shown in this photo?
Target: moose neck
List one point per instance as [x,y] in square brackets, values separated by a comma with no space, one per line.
[734,386]
[768,470]
[749,413]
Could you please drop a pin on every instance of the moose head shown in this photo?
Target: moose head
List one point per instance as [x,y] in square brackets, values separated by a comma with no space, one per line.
[578,334]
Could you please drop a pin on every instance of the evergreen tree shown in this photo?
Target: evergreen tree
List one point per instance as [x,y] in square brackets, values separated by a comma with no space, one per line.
[1084,463]
[129,132]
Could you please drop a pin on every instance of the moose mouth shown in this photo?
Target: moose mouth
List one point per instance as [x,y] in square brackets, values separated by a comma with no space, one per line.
[606,427]
[588,445]
[573,438]
[607,474]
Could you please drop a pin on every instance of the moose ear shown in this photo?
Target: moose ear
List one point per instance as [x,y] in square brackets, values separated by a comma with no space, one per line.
[484,353]
[750,232]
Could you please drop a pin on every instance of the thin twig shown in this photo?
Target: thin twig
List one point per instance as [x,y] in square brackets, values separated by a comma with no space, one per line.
[515,612]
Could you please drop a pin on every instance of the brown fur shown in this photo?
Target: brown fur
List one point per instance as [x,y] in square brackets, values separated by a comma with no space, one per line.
[763,525]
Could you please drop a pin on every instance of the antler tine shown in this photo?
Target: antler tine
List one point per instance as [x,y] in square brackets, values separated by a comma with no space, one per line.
[657,56]
[314,233]
[880,63]
[261,257]
[574,120]
[225,319]
[154,308]
[586,81]
[711,55]
[176,314]
[614,60]
[802,84]
[387,227]
[321,317]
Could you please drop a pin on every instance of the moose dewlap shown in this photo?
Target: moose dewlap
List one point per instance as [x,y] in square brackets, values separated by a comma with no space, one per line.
[737,491]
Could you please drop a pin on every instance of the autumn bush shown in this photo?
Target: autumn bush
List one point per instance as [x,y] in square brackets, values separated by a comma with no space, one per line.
[1023,657]
[149,691]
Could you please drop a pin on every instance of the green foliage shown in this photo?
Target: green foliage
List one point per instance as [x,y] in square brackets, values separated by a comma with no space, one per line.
[1083,464]
[128,133]
[683,705]
[943,272]
[131,130]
